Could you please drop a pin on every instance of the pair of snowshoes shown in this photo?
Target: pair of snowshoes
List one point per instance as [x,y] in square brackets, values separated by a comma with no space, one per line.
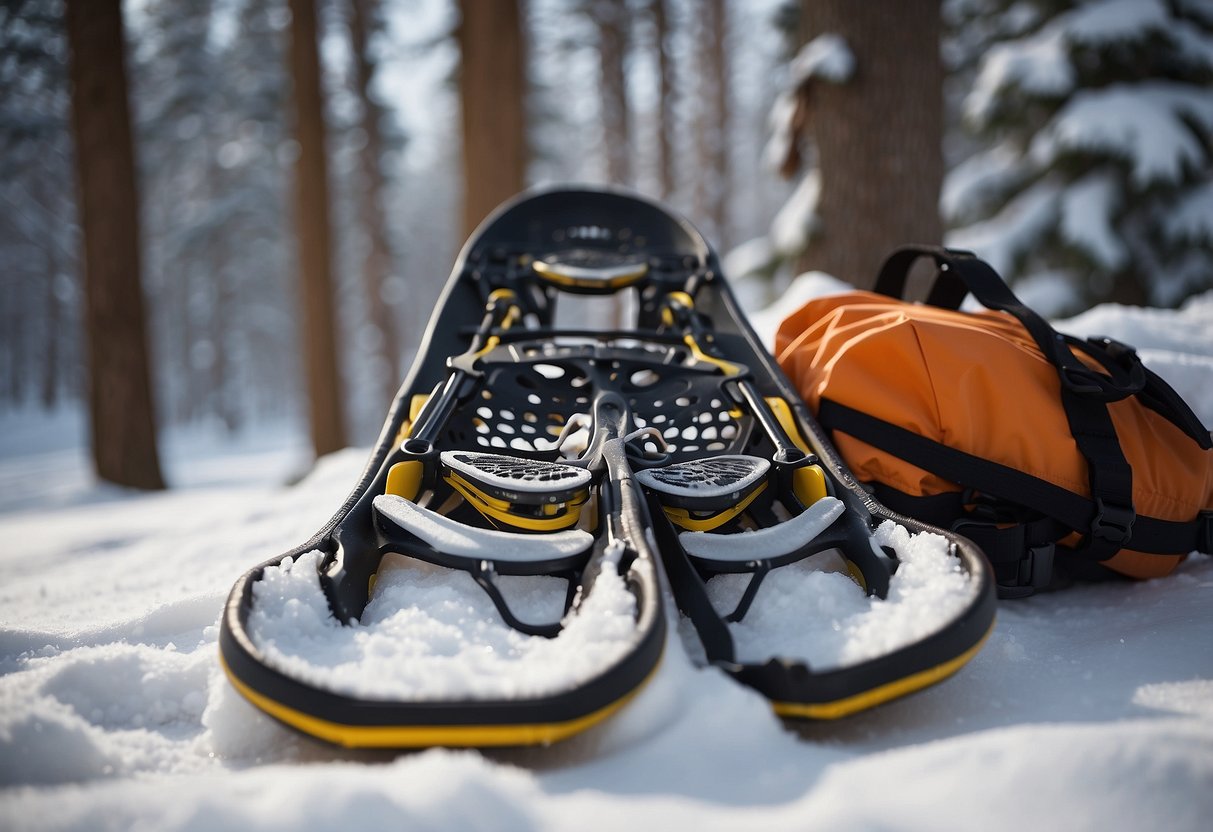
[499,575]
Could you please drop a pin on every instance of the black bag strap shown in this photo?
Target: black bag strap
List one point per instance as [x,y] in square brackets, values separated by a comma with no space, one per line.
[1085,392]
[1074,512]
[960,272]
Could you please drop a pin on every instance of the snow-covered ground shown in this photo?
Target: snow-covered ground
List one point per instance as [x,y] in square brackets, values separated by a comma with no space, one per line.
[1087,709]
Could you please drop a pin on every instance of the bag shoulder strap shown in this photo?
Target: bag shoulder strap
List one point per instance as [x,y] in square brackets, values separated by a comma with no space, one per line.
[1085,392]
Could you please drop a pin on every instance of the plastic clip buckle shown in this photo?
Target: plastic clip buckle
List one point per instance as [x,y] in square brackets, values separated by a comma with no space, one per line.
[1205,535]
[1112,523]
[1021,570]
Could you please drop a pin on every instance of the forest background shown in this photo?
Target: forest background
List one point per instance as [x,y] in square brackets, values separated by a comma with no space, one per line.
[239,213]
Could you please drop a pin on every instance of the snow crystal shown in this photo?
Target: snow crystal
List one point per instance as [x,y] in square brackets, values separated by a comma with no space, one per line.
[431,633]
[837,623]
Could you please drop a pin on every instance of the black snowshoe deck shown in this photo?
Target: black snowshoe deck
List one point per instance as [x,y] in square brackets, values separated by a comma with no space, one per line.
[519,448]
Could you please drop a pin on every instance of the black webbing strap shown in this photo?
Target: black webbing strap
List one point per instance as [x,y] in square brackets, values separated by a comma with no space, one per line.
[960,272]
[1075,512]
[689,590]
[1085,392]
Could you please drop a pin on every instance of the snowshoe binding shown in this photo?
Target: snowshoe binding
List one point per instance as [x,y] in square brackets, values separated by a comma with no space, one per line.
[617,464]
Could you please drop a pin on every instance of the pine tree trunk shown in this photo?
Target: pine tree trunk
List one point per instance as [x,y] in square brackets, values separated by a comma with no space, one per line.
[15,327]
[492,85]
[611,20]
[52,333]
[879,136]
[665,104]
[224,401]
[377,263]
[123,423]
[312,228]
[712,123]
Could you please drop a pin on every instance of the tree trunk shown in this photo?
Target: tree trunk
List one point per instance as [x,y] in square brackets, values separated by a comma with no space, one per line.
[123,422]
[492,85]
[712,124]
[665,104]
[52,333]
[879,136]
[377,262]
[312,228]
[611,20]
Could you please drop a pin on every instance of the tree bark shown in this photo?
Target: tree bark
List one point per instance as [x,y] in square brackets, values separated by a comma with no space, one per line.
[665,104]
[312,228]
[879,136]
[712,124]
[52,333]
[492,85]
[123,424]
[377,262]
[611,21]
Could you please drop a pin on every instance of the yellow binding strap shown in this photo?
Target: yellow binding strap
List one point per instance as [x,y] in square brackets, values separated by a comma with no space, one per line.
[500,510]
[683,518]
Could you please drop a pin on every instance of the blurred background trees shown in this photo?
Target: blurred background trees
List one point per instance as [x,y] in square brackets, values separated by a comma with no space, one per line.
[1069,142]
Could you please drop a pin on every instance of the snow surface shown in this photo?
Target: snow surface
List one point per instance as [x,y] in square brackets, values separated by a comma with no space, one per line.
[1087,709]
[430,633]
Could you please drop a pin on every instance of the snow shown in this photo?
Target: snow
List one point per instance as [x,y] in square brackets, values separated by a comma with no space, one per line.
[430,633]
[983,176]
[796,221]
[1087,210]
[826,56]
[846,627]
[1039,64]
[1087,708]
[1152,125]
[1005,237]
[1191,219]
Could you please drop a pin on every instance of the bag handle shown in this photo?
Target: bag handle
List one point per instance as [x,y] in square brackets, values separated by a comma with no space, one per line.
[960,272]
[1085,393]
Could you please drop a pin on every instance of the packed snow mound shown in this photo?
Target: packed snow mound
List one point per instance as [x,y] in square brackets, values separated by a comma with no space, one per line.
[430,633]
[812,610]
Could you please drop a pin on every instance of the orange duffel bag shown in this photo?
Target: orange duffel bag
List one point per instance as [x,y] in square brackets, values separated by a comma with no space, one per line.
[1061,458]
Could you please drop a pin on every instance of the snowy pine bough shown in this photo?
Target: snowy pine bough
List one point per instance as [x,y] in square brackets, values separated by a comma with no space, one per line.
[1096,131]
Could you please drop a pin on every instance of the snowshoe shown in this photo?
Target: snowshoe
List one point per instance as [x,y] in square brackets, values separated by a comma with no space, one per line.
[526,456]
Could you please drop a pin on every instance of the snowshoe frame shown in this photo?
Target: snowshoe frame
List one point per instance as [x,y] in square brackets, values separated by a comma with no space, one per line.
[686,394]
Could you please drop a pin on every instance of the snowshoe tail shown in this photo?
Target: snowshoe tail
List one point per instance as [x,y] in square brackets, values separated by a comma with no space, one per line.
[671,450]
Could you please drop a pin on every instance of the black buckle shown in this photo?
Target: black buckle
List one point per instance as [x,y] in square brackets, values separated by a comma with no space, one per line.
[1033,574]
[1126,375]
[1019,568]
[1113,524]
[1204,535]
